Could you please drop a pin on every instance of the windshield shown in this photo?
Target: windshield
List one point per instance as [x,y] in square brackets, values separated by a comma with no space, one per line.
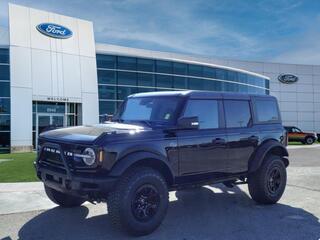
[150,110]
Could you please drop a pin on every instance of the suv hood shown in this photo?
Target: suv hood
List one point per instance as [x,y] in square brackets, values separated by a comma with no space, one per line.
[90,133]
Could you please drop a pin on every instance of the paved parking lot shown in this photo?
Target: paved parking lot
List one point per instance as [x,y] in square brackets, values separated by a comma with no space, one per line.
[211,212]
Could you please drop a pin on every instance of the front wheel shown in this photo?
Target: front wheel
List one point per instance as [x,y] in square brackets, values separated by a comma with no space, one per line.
[268,183]
[140,201]
[62,199]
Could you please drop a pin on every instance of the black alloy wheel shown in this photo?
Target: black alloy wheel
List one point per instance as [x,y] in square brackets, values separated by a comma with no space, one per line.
[145,203]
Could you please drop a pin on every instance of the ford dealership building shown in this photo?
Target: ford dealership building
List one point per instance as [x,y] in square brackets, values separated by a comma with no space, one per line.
[53,74]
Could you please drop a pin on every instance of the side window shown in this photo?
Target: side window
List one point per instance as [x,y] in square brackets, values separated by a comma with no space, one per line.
[266,110]
[237,113]
[206,110]
[297,130]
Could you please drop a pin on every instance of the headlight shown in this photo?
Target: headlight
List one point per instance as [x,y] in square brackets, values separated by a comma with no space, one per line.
[89,156]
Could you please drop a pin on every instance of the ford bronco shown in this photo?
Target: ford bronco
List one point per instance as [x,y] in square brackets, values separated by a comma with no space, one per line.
[163,141]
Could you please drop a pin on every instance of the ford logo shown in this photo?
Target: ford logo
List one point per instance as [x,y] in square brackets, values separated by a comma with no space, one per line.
[54,30]
[288,78]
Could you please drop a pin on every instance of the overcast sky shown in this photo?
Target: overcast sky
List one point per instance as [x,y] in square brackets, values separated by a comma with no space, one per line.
[263,30]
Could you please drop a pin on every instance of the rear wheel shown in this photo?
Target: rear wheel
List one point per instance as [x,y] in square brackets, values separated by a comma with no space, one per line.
[62,199]
[309,140]
[140,201]
[268,183]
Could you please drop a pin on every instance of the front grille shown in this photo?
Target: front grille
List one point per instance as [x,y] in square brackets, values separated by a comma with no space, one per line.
[51,156]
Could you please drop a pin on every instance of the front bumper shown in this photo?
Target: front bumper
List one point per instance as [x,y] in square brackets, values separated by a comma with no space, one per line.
[89,187]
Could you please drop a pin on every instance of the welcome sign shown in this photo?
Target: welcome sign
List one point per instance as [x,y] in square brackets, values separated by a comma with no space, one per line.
[54,30]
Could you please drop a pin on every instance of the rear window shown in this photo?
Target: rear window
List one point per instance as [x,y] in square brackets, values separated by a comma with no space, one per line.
[266,110]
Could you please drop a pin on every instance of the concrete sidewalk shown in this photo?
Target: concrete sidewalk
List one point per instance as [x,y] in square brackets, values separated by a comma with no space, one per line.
[303,146]
[23,197]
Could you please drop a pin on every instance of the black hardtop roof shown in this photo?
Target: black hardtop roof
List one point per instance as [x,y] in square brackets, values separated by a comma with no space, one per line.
[200,94]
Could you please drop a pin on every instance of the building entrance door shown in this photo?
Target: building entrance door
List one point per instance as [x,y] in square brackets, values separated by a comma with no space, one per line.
[46,122]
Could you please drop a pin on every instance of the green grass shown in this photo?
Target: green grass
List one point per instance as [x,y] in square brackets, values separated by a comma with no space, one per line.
[18,169]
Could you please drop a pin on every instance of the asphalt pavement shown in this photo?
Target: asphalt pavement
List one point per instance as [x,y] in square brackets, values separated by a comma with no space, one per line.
[210,212]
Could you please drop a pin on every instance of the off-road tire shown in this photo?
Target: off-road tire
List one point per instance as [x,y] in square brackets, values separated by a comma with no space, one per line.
[120,202]
[309,140]
[62,199]
[260,181]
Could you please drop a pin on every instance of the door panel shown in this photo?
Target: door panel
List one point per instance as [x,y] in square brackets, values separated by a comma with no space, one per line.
[202,151]
[241,144]
[242,137]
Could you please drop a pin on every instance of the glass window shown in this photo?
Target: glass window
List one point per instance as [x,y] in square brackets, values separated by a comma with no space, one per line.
[4,140]
[266,110]
[209,72]
[34,121]
[267,83]
[212,85]
[243,88]
[242,78]
[206,110]
[221,74]
[106,76]
[164,81]
[146,65]
[180,82]
[157,109]
[127,63]
[297,130]
[34,107]
[71,108]
[4,89]
[232,76]
[51,107]
[237,113]
[180,68]
[163,66]
[231,87]
[256,81]
[4,55]
[4,72]
[123,92]
[4,123]
[127,78]
[106,61]
[4,106]
[107,92]
[195,70]
[146,79]
[196,84]
[107,107]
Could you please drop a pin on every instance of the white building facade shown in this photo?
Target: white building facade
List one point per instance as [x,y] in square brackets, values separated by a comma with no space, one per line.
[53,74]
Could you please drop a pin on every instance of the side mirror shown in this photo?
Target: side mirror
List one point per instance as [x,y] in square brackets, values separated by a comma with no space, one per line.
[188,123]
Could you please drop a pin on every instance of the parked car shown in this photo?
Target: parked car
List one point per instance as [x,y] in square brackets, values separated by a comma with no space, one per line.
[296,135]
[163,141]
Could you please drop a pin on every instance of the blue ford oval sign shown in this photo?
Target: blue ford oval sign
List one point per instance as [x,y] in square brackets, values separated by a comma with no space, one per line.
[54,30]
[287,78]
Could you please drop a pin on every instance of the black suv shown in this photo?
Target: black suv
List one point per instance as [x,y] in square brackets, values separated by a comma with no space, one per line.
[165,141]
